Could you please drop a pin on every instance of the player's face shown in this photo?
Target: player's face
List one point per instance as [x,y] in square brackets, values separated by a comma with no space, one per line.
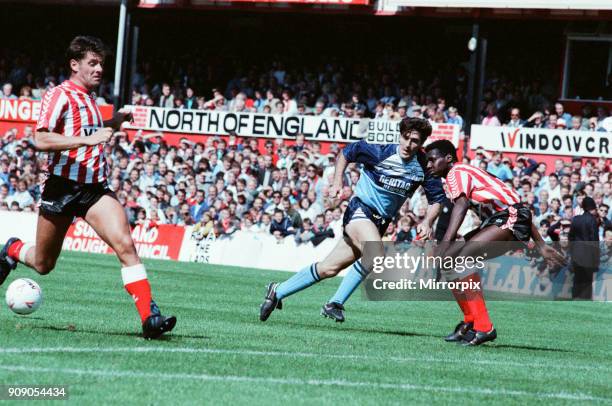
[437,164]
[89,69]
[409,143]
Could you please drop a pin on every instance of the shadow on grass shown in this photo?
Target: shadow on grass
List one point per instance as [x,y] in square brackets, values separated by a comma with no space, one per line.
[363,330]
[529,347]
[73,329]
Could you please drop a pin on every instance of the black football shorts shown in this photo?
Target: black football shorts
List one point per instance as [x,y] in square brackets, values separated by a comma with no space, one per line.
[65,197]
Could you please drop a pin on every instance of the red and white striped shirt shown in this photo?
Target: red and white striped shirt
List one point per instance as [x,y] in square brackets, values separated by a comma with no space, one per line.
[68,109]
[480,186]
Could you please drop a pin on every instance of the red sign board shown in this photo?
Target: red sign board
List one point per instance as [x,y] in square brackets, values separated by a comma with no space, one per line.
[159,241]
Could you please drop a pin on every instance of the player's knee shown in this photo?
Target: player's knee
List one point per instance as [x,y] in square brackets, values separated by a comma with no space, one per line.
[44,267]
[125,246]
[327,271]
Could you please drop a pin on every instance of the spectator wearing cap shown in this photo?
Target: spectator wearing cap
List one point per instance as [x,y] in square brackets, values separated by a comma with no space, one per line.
[415,111]
[584,251]
[402,109]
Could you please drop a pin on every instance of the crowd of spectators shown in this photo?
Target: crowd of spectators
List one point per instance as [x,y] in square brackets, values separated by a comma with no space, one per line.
[351,89]
[267,186]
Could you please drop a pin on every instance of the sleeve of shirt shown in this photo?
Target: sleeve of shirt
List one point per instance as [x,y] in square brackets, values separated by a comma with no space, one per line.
[433,189]
[53,107]
[459,183]
[362,152]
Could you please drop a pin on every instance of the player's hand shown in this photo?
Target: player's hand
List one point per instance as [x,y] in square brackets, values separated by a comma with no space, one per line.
[334,190]
[552,256]
[123,115]
[101,136]
[423,231]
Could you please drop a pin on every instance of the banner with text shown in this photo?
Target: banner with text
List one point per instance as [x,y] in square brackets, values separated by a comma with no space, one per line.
[314,128]
[29,110]
[159,241]
[542,141]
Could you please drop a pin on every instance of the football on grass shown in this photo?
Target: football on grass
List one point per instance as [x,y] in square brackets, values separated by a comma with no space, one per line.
[23,296]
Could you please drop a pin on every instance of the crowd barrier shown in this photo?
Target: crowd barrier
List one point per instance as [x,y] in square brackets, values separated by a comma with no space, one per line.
[264,251]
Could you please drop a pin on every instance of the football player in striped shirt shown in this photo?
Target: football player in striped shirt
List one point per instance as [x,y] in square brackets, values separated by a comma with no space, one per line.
[508,220]
[71,130]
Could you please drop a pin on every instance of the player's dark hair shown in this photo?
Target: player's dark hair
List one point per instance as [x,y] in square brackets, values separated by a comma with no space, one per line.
[82,44]
[445,147]
[420,125]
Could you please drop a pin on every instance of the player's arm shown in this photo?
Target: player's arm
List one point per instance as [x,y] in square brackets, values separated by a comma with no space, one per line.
[434,191]
[550,254]
[424,229]
[460,209]
[50,141]
[341,164]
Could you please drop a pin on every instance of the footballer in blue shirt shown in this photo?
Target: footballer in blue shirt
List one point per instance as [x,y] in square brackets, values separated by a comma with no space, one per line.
[390,175]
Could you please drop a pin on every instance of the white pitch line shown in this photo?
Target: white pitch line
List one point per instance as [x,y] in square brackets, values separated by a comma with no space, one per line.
[547,365]
[303,382]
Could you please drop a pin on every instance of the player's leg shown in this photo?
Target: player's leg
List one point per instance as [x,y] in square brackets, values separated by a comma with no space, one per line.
[363,230]
[347,251]
[477,327]
[343,253]
[109,221]
[42,255]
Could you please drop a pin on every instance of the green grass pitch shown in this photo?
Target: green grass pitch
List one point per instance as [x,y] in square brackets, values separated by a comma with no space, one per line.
[86,336]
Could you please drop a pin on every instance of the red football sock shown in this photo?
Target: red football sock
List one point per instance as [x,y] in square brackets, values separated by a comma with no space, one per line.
[19,249]
[477,306]
[136,283]
[15,249]
[461,299]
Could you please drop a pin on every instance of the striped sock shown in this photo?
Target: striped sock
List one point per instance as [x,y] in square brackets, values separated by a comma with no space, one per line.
[19,249]
[349,283]
[301,280]
[136,283]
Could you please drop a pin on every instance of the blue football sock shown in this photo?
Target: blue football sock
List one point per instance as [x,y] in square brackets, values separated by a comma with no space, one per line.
[349,283]
[301,280]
